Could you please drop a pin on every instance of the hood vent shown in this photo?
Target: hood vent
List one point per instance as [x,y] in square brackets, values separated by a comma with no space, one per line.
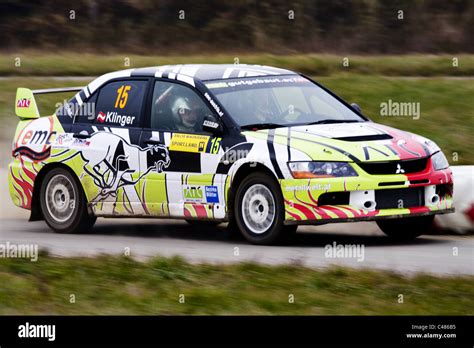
[366,137]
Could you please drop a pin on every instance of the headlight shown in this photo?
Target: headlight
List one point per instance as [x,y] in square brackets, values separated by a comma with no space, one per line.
[308,170]
[439,161]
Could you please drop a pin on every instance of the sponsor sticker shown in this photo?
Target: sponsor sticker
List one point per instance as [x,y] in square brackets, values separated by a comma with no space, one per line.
[188,142]
[214,104]
[211,124]
[101,117]
[216,85]
[23,103]
[63,140]
[265,80]
[37,137]
[316,187]
[81,142]
[193,193]
[114,117]
[35,140]
[212,195]
[66,140]
[200,194]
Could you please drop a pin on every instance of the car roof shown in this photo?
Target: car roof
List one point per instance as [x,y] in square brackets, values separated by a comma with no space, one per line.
[206,72]
[188,73]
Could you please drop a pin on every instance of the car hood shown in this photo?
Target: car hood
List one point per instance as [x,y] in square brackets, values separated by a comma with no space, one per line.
[353,142]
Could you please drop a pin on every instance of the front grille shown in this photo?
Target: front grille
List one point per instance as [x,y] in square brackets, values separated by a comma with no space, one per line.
[419,182]
[400,198]
[395,167]
[392,183]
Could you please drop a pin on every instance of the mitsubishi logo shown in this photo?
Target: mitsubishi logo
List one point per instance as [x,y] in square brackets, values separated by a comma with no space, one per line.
[399,169]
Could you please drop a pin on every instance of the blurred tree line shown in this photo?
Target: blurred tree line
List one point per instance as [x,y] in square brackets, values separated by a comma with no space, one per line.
[161,26]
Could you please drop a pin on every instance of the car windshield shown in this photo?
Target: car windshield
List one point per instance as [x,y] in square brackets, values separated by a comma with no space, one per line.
[279,101]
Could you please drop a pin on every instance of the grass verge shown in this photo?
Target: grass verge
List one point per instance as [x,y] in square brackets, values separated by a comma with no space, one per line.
[82,64]
[446,113]
[119,285]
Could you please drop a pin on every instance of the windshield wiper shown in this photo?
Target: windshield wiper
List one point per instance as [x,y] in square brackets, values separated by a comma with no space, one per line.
[262,126]
[333,121]
[277,125]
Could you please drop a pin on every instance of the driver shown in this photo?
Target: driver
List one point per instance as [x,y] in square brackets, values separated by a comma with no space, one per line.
[263,110]
[185,112]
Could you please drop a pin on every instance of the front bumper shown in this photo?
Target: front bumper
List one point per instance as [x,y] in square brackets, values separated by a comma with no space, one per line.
[367,197]
[384,216]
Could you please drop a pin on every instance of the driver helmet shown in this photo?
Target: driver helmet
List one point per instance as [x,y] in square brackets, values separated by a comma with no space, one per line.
[185,111]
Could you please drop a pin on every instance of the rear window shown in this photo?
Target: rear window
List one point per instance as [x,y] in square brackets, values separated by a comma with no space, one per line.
[120,103]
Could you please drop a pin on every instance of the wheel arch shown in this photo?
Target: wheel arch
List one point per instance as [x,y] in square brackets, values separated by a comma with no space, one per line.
[244,170]
[36,212]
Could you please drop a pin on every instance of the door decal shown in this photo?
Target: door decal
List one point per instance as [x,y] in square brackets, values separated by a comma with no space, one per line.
[112,162]
[189,142]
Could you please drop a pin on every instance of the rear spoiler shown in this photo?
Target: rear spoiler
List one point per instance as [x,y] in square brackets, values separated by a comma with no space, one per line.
[25,103]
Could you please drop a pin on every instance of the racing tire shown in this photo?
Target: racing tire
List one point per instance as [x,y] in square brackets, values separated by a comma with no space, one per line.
[259,210]
[63,203]
[406,228]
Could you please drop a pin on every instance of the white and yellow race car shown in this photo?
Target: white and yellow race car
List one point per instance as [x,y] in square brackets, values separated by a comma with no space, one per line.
[262,148]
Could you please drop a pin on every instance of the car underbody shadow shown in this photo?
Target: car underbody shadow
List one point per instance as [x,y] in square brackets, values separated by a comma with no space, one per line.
[322,239]
[164,229]
[307,237]
[176,229]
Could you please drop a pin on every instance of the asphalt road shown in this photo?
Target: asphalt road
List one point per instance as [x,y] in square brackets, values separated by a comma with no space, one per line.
[147,238]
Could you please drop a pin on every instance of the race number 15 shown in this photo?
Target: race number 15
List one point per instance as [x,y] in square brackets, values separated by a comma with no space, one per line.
[122,96]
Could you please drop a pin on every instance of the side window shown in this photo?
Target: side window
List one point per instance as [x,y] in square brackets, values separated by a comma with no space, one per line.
[120,103]
[177,108]
[70,110]
[86,112]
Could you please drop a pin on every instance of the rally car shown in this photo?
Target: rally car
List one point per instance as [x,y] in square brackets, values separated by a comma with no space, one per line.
[262,148]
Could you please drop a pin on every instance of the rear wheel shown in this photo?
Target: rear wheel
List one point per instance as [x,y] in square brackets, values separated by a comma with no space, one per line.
[63,203]
[259,210]
[406,228]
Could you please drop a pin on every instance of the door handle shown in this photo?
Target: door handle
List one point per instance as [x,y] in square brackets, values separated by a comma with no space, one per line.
[81,135]
[153,141]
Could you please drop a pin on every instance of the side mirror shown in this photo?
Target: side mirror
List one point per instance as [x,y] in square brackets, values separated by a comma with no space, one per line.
[356,107]
[212,125]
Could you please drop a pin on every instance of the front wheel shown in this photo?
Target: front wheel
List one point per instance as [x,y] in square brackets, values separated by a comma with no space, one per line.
[63,203]
[259,210]
[406,228]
